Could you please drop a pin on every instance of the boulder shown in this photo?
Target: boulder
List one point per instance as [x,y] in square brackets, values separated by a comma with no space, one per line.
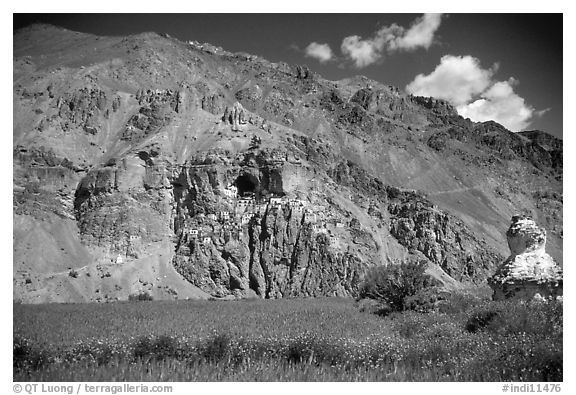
[529,271]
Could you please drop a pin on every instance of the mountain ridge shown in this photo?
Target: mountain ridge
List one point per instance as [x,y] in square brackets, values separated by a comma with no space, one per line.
[122,137]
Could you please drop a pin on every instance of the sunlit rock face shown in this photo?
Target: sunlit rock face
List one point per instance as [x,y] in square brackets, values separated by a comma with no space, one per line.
[234,116]
[529,270]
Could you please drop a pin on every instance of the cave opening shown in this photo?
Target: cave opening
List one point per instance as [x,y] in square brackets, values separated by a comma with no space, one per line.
[247,185]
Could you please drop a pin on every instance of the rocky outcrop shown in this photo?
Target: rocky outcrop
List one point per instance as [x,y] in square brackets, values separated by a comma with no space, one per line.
[250,97]
[157,110]
[258,246]
[159,97]
[276,254]
[550,144]
[240,233]
[124,206]
[388,102]
[211,99]
[438,106]
[441,238]
[43,182]
[422,228]
[529,270]
[81,108]
[303,72]
[235,116]
[542,151]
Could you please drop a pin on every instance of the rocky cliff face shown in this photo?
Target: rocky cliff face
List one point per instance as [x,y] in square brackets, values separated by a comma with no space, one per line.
[529,270]
[218,174]
[240,229]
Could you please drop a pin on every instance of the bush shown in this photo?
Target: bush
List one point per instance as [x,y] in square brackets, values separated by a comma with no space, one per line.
[460,303]
[393,285]
[97,352]
[299,352]
[373,307]
[425,300]
[480,320]
[73,273]
[155,348]
[217,348]
[140,297]
[26,355]
[516,316]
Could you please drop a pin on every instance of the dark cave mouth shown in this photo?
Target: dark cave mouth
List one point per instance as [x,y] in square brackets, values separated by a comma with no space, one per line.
[247,184]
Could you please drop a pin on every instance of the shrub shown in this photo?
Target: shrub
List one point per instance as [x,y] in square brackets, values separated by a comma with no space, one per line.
[374,307]
[549,363]
[393,284]
[312,349]
[457,303]
[158,348]
[73,273]
[530,317]
[299,351]
[140,297]
[480,320]
[516,316]
[97,352]
[26,355]
[217,348]
[425,300]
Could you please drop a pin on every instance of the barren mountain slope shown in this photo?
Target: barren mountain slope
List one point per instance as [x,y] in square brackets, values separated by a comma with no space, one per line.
[203,172]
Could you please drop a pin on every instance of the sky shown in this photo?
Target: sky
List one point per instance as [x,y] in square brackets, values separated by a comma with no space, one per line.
[505,67]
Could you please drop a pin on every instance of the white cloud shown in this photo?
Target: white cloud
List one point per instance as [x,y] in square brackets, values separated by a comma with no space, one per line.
[457,79]
[420,34]
[462,81]
[540,113]
[321,52]
[364,52]
[501,104]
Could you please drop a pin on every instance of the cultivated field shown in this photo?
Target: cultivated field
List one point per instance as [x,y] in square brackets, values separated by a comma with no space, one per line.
[327,339]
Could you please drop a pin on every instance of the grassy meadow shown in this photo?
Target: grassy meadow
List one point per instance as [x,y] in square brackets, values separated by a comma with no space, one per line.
[323,339]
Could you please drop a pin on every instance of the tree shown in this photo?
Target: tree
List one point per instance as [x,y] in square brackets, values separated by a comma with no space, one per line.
[395,284]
